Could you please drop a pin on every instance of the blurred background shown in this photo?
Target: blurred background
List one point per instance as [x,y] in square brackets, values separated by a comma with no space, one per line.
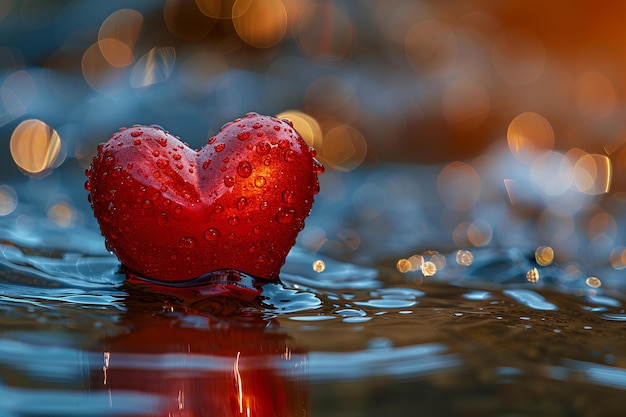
[517,104]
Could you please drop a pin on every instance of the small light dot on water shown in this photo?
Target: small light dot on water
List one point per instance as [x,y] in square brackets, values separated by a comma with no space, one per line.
[319,266]
[532,275]
[593,282]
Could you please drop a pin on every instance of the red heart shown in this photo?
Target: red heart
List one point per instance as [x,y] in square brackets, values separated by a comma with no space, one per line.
[171,213]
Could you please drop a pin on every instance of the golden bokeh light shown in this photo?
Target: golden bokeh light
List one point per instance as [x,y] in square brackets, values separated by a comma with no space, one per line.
[416,262]
[118,35]
[428,269]
[431,47]
[593,282]
[319,266]
[100,74]
[518,56]
[552,173]
[459,186]
[35,146]
[344,148]
[532,275]
[324,32]
[592,174]
[464,257]
[479,233]
[154,67]
[306,126]
[528,135]
[594,95]
[184,20]
[260,23]
[617,258]
[61,214]
[544,255]
[8,200]
[465,104]
[217,9]
[403,265]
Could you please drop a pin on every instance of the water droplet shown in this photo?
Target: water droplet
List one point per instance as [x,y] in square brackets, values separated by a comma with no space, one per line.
[259,181]
[243,135]
[206,164]
[277,128]
[226,160]
[289,197]
[166,202]
[283,144]
[117,171]
[257,125]
[176,156]
[178,209]
[244,169]
[263,205]
[162,142]
[108,160]
[162,163]
[289,122]
[156,174]
[263,148]
[137,142]
[229,181]
[162,219]
[233,220]
[252,249]
[285,216]
[317,167]
[251,114]
[88,185]
[242,203]
[136,133]
[187,242]
[218,208]
[256,230]
[156,153]
[211,234]
[146,204]
[290,155]
[220,147]
[261,258]
[179,166]
[231,236]
[129,166]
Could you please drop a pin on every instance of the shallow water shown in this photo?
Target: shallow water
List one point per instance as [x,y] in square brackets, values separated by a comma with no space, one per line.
[358,338]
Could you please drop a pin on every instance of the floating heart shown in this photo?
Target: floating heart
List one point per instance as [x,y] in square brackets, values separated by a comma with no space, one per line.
[171,213]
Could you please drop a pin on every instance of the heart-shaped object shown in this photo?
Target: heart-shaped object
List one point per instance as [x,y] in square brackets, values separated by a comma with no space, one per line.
[171,213]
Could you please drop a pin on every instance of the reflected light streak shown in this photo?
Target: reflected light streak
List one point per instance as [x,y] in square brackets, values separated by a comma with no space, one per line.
[239,383]
[154,67]
[593,173]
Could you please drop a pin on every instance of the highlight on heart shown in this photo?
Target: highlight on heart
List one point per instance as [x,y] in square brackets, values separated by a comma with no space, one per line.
[175,214]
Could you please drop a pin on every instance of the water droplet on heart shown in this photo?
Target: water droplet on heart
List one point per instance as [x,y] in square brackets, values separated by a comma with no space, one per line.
[317,167]
[164,188]
[289,196]
[162,163]
[162,142]
[117,170]
[252,249]
[156,174]
[231,236]
[178,209]
[220,147]
[252,114]
[129,166]
[156,195]
[263,205]
[206,164]
[212,140]
[100,147]
[218,208]
[290,155]
[244,169]
[136,133]
[283,144]
[277,128]
[256,230]
[225,160]
[263,148]
[146,204]
[211,234]
[285,216]
[257,125]
[180,166]
[187,242]
[166,202]
[259,181]
[190,170]
[223,169]
[162,219]
[261,258]
[229,181]
[289,122]
[233,220]
[108,160]
[88,185]
[267,162]
[176,156]
[155,153]
[137,142]
[242,203]
[243,135]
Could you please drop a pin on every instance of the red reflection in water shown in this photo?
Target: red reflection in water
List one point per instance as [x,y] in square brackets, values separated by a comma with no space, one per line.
[214,355]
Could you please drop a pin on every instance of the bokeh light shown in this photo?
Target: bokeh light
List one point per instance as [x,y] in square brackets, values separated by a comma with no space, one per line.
[459,185]
[344,148]
[8,200]
[35,146]
[306,126]
[528,135]
[260,23]
[118,36]
[544,255]
[593,174]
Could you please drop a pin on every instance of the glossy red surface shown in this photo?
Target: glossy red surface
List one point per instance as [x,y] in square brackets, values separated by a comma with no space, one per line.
[171,213]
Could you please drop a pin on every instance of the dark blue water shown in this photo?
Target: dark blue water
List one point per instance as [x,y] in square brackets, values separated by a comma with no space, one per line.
[359,337]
